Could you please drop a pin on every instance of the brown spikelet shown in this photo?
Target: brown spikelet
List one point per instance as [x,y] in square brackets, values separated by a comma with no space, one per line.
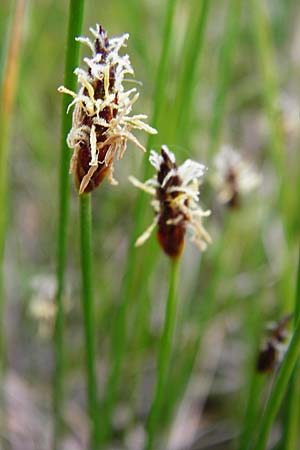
[101,123]
[175,191]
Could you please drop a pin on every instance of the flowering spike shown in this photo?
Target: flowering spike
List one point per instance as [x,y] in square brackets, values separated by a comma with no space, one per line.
[101,124]
[273,349]
[233,177]
[176,194]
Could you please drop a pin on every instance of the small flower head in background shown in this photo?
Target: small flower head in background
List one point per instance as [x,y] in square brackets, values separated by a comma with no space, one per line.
[272,351]
[101,122]
[42,305]
[233,176]
[176,194]
[289,108]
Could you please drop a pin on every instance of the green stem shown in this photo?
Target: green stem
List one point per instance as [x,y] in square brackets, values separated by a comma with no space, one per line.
[164,356]
[270,95]
[189,57]
[253,403]
[224,72]
[76,12]
[88,312]
[8,91]
[119,332]
[266,59]
[254,380]
[161,75]
[192,53]
[291,432]
[282,379]
[205,311]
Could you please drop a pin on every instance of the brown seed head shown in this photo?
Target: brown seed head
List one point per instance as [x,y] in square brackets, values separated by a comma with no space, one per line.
[101,123]
[272,351]
[175,190]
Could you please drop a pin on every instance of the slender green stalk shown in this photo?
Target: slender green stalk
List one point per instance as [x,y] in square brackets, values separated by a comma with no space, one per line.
[190,56]
[282,379]
[164,356]
[290,439]
[192,53]
[266,57]
[291,432]
[119,332]
[205,312]
[270,93]
[253,403]
[254,380]
[178,385]
[8,90]
[224,72]
[88,312]
[76,11]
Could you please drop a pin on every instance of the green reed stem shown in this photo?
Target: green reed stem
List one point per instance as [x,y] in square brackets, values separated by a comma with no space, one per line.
[119,332]
[207,307]
[281,382]
[192,53]
[76,12]
[8,91]
[291,432]
[224,72]
[251,414]
[254,380]
[266,59]
[270,94]
[164,356]
[252,409]
[88,312]
[190,56]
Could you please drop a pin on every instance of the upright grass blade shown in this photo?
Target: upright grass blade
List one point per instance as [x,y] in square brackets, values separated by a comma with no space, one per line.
[253,402]
[254,380]
[178,385]
[8,90]
[190,57]
[270,93]
[266,59]
[88,312]
[290,438]
[164,356]
[224,72]
[282,379]
[291,432]
[192,53]
[76,11]
[119,332]
[205,312]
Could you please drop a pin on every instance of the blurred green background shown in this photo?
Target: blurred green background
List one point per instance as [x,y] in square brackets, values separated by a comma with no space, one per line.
[245,93]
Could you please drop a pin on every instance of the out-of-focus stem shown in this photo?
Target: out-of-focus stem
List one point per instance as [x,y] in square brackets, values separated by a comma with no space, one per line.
[164,356]
[8,91]
[76,12]
[282,379]
[119,333]
[224,71]
[291,432]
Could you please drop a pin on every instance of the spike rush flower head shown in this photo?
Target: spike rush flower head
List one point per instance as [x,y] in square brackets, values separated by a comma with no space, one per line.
[176,193]
[275,345]
[101,124]
[234,177]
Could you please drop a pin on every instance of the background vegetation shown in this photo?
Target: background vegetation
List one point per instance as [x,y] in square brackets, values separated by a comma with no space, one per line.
[230,75]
